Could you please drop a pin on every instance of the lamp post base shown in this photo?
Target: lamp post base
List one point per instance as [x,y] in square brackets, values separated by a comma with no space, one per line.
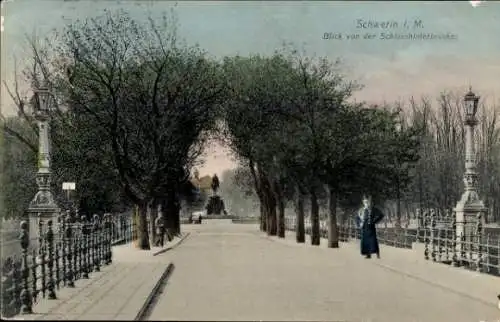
[470,210]
[42,207]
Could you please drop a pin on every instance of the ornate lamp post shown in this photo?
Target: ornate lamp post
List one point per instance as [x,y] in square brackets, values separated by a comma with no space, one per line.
[43,205]
[470,208]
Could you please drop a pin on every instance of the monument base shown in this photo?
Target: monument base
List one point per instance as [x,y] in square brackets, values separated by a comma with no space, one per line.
[215,206]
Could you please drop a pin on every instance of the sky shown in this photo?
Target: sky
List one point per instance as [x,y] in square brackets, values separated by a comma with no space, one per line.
[389,69]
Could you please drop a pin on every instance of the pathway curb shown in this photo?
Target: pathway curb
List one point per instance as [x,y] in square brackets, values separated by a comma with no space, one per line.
[148,305]
[161,251]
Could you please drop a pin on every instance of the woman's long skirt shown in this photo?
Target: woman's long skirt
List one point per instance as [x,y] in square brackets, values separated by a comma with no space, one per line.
[369,242]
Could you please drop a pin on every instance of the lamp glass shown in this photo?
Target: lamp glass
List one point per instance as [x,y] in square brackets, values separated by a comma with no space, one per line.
[469,107]
[43,96]
[471,101]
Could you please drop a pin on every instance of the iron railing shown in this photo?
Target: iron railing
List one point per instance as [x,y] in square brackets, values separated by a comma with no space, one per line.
[475,249]
[65,252]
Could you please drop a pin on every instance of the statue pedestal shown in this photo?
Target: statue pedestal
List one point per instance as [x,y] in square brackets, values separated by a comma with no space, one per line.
[215,206]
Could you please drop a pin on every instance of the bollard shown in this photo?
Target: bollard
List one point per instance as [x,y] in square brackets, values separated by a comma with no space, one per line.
[26,307]
[70,278]
[50,245]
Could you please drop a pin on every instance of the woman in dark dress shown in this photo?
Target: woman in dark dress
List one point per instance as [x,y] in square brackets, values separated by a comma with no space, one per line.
[366,220]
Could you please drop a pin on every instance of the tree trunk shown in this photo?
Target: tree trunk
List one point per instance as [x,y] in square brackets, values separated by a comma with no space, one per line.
[153,213]
[177,220]
[172,213]
[258,189]
[142,228]
[299,225]
[281,212]
[263,216]
[398,204]
[269,204]
[315,234]
[272,226]
[333,229]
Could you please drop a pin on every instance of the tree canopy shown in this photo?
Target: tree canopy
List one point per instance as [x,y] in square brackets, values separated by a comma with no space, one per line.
[135,106]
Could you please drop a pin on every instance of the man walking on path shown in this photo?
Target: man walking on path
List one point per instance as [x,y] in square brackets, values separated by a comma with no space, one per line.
[366,220]
[160,230]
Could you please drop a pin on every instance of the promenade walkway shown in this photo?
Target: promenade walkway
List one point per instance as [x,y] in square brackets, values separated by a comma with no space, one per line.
[226,271]
[234,272]
[117,292]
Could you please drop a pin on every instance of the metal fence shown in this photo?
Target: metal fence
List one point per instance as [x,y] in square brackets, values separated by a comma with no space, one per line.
[65,252]
[477,249]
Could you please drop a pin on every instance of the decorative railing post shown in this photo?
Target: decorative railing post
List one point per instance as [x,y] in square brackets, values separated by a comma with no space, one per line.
[90,248]
[9,298]
[95,230]
[462,248]
[102,238]
[446,235]
[68,236]
[13,287]
[81,245]
[17,286]
[426,235]
[418,216]
[439,233]
[74,241]
[34,276]
[479,229]
[42,255]
[26,307]
[487,251]
[433,237]
[108,226]
[454,257]
[123,229]
[41,241]
[57,257]
[63,250]
[85,248]
[50,243]
[470,245]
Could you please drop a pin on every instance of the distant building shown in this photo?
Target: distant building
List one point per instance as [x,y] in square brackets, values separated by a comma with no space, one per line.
[203,186]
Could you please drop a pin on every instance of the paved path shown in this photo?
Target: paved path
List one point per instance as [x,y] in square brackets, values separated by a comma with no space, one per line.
[117,292]
[233,272]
